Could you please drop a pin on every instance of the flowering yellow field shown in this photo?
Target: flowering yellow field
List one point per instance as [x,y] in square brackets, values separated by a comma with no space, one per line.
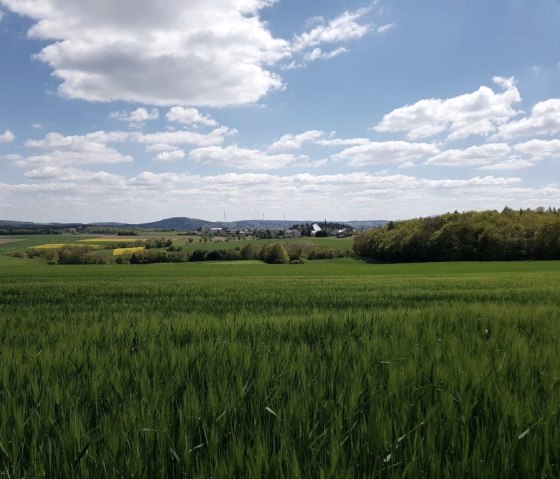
[51,246]
[121,251]
[65,245]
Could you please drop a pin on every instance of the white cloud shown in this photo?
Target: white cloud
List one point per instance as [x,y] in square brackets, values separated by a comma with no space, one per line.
[182,137]
[241,158]
[7,137]
[472,156]
[161,147]
[513,164]
[385,28]
[295,142]
[290,141]
[60,150]
[341,29]
[479,113]
[73,150]
[293,65]
[72,175]
[189,116]
[538,150]
[342,141]
[138,116]
[170,155]
[499,156]
[407,164]
[200,52]
[318,54]
[544,120]
[378,153]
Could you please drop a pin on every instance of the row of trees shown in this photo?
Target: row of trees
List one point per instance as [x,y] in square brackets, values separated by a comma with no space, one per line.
[471,236]
[274,253]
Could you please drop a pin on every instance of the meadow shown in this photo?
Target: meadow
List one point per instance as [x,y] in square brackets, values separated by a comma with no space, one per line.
[329,369]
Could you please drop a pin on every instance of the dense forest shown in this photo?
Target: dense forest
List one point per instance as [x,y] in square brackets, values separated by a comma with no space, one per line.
[471,236]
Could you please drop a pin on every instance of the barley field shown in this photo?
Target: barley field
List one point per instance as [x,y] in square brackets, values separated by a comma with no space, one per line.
[331,369]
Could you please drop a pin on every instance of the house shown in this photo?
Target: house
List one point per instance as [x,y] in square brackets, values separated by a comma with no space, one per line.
[315,229]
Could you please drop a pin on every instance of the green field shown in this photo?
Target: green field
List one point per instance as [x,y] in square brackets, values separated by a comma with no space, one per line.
[332,369]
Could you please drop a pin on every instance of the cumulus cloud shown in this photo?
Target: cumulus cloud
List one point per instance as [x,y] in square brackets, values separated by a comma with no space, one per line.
[62,150]
[170,155]
[538,150]
[290,141]
[138,116]
[499,156]
[72,175]
[201,52]
[342,141]
[75,150]
[295,142]
[472,156]
[544,120]
[482,112]
[167,140]
[189,116]
[241,158]
[198,53]
[7,137]
[513,164]
[378,153]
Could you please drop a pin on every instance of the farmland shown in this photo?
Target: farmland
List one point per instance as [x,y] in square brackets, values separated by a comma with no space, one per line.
[333,368]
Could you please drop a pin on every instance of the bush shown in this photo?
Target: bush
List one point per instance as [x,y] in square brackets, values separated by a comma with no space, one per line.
[215,255]
[275,253]
[198,255]
[250,251]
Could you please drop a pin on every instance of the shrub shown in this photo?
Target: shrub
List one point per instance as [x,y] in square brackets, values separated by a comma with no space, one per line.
[250,251]
[275,253]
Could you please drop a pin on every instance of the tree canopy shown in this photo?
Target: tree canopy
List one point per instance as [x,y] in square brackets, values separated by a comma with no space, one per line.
[471,236]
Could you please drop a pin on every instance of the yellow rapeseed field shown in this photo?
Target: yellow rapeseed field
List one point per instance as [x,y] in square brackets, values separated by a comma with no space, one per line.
[121,251]
[51,246]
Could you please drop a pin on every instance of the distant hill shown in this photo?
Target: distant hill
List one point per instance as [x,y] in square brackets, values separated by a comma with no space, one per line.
[177,223]
[191,224]
[366,225]
[183,223]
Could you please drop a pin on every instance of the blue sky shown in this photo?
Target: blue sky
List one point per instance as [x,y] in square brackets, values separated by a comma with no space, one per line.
[136,110]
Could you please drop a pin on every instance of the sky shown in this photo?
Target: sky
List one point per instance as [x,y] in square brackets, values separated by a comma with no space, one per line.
[138,110]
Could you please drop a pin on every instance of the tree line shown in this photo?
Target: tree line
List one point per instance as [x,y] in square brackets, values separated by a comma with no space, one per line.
[163,251]
[470,236]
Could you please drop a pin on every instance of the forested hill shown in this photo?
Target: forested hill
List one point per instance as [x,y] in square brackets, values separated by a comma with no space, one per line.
[471,236]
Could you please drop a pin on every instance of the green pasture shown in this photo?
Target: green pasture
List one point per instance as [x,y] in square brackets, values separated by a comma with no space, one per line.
[10,244]
[329,369]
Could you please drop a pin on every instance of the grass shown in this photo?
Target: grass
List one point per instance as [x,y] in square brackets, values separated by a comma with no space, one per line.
[116,239]
[329,369]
